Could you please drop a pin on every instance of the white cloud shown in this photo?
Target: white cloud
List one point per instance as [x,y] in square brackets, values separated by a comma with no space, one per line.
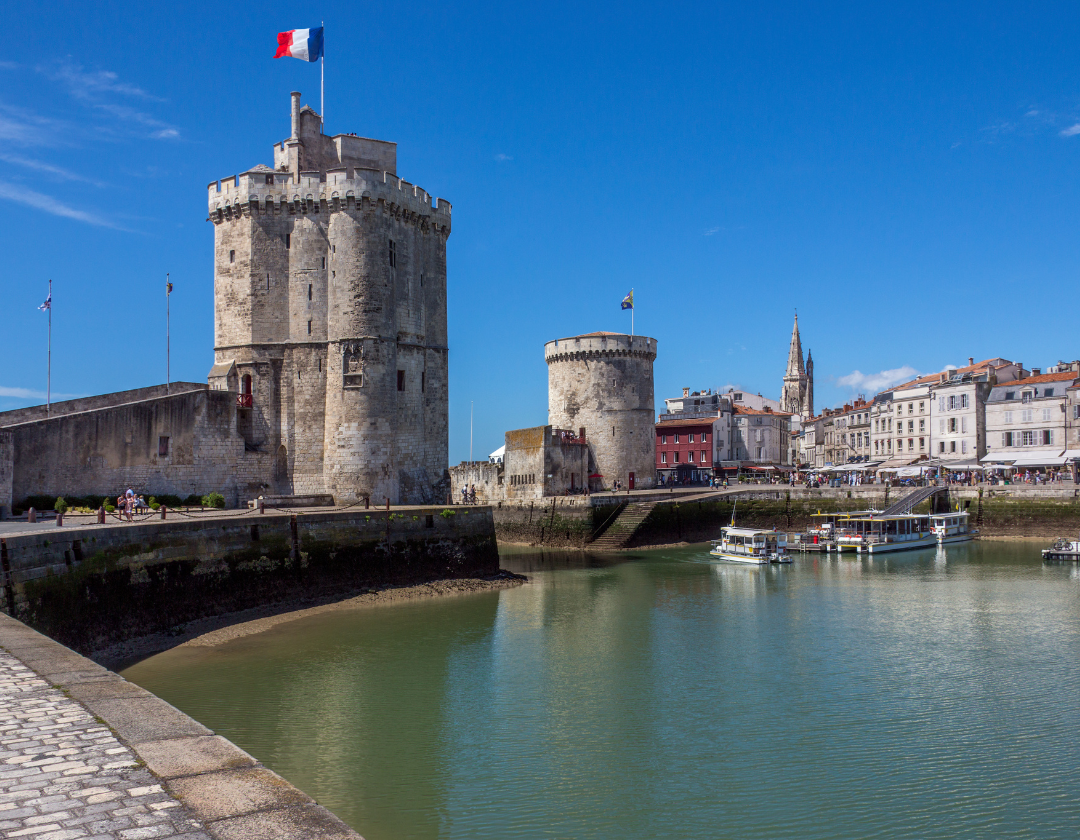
[28,394]
[1071,131]
[712,231]
[871,383]
[40,201]
[501,158]
[48,168]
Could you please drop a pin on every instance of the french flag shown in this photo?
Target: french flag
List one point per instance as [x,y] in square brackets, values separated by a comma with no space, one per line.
[305,44]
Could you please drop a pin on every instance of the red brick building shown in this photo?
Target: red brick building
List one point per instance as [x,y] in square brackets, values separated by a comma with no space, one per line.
[686,449]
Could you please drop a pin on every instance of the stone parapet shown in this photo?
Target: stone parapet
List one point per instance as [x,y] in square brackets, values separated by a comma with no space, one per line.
[278,193]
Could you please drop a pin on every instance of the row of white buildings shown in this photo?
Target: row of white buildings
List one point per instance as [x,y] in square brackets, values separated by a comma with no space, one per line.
[989,414]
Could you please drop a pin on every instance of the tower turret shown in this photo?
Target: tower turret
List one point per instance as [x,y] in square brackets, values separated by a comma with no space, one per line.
[793,395]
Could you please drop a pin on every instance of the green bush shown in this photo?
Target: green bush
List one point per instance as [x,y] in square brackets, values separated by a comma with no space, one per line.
[110,509]
[170,501]
[153,504]
[194,500]
[213,500]
[60,506]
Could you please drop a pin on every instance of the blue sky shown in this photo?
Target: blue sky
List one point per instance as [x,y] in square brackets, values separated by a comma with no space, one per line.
[902,175]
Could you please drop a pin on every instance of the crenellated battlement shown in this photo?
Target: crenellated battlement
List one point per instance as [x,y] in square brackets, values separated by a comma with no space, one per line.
[266,191]
[600,345]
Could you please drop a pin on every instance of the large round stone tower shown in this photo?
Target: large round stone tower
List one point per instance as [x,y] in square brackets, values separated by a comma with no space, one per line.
[604,382]
[330,319]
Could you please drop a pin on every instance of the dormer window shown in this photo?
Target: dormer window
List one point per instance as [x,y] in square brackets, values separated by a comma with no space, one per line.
[1010,395]
[1027,396]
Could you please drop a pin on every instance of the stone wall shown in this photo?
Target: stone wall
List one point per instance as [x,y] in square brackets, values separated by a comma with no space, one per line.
[41,412]
[7,469]
[105,451]
[92,587]
[604,383]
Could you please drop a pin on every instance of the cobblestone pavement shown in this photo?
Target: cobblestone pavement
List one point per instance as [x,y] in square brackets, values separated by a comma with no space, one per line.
[63,775]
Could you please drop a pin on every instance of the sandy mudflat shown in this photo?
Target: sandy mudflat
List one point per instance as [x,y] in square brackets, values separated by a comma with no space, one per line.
[217,630]
[382,597]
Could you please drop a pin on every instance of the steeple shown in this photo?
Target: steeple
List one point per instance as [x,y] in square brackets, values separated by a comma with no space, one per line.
[795,357]
[808,403]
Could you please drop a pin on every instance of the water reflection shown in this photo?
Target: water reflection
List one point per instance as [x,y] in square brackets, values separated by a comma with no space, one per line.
[663,694]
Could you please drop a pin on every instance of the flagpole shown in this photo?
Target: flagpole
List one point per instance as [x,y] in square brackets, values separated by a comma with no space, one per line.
[48,377]
[631,317]
[168,332]
[322,78]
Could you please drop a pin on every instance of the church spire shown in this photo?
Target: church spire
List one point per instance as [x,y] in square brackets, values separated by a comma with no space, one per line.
[795,358]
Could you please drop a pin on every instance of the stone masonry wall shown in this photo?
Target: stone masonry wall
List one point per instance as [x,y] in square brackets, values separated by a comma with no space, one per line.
[90,588]
[604,382]
[108,450]
[7,469]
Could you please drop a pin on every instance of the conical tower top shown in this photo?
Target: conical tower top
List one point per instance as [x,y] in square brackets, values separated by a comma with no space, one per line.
[795,357]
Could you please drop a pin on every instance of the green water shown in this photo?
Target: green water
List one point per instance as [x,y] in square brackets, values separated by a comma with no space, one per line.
[661,695]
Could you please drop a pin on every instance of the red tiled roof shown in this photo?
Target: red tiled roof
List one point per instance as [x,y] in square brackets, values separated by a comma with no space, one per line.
[1064,376]
[934,377]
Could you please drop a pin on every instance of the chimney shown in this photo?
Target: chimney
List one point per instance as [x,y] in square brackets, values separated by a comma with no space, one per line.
[971,361]
[295,114]
[1036,371]
[686,392]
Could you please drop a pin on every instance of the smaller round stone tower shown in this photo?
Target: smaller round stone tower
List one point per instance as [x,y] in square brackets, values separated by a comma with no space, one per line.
[604,383]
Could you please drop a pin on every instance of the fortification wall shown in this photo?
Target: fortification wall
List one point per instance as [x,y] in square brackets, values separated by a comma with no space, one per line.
[604,382]
[41,412]
[7,470]
[107,450]
[93,587]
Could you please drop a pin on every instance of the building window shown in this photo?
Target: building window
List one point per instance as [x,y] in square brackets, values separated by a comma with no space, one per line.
[1026,415]
[1027,438]
[663,457]
[676,437]
[964,401]
[1047,437]
[421,278]
[401,380]
[674,457]
[941,446]
[690,456]
[1008,416]
[911,445]
[663,438]
[911,408]
[703,456]
[1010,395]
[1048,392]
[704,437]
[309,291]
[1046,415]
[952,425]
[1007,439]
[952,445]
[423,381]
[1026,397]
[309,327]
[232,256]
[393,254]
[922,444]
[963,446]
[324,262]
[922,407]
[288,241]
[163,447]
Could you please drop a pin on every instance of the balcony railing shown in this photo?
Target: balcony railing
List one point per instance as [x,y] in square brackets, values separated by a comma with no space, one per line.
[244,400]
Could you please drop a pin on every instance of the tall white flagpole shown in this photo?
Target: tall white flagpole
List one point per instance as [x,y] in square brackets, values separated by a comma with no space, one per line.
[168,324]
[632,305]
[322,78]
[48,378]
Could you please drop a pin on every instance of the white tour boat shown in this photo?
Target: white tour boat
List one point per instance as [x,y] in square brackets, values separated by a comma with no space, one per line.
[951,527]
[751,545]
[877,533]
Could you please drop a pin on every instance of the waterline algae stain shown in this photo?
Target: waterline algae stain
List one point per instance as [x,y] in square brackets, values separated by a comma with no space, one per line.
[920,695]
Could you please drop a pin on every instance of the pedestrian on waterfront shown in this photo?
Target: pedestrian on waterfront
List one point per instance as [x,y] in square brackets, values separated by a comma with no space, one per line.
[120,506]
[464,495]
[472,494]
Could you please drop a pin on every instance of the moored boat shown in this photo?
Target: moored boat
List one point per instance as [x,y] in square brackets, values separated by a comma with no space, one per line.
[1064,549]
[756,546]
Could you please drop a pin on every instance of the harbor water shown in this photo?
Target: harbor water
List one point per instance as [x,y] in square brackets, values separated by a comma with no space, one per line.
[660,694]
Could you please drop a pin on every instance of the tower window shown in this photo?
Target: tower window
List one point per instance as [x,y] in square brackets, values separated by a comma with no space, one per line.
[324,262]
[232,256]
[288,241]
[320,365]
[309,291]
[393,254]
[268,281]
[162,447]
[421,278]
[309,327]
[401,380]
[423,380]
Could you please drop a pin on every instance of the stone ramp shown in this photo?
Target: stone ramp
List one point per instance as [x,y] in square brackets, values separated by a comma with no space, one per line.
[623,527]
[86,754]
[909,501]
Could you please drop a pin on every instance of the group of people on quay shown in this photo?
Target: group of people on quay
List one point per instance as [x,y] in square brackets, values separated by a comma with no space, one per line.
[129,503]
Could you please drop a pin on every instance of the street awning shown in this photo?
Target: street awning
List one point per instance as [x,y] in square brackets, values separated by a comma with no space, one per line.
[899,461]
[1040,459]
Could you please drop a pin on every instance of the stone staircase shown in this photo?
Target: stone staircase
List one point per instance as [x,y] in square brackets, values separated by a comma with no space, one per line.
[623,527]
